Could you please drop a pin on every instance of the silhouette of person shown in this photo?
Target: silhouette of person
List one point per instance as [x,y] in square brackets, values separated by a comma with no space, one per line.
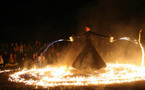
[89,58]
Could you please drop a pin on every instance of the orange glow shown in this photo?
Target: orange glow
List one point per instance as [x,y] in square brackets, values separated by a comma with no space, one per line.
[68,76]
[87,29]
[142,62]
[56,76]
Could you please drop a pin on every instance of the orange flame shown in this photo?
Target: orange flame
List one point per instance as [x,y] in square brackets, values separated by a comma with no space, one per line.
[57,76]
[142,62]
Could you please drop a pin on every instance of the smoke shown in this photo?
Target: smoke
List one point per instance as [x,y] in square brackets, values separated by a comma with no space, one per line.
[106,15]
[70,52]
[117,18]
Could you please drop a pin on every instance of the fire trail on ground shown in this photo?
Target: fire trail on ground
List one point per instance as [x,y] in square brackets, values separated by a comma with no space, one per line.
[52,76]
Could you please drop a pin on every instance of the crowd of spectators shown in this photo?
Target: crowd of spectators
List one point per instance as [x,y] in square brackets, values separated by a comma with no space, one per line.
[13,55]
[22,55]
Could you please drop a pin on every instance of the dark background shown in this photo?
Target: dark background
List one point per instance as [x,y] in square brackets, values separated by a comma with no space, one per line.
[51,20]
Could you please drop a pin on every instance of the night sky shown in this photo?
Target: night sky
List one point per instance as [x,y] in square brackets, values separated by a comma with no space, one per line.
[38,20]
[50,20]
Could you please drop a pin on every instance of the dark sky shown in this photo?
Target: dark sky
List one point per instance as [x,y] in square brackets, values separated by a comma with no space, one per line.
[50,20]
[24,20]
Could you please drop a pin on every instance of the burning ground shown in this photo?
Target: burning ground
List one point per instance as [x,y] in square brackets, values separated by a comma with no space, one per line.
[114,76]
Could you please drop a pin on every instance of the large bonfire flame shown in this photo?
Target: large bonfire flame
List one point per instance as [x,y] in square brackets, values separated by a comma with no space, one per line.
[68,76]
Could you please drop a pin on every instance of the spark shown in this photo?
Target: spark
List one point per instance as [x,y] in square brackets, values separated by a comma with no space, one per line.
[125,38]
[129,39]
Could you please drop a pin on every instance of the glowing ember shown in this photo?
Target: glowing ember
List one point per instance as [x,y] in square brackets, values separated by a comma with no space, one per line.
[56,76]
[5,71]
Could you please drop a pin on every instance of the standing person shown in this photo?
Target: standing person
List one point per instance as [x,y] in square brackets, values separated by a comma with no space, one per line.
[50,60]
[36,46]
[34,58]
[21,52]
[39,44]
[23,60]
[89,58]
[24,48]
[41,59]
[21,49]
[29,50]
[11,49]
[16,48]
[15,57]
